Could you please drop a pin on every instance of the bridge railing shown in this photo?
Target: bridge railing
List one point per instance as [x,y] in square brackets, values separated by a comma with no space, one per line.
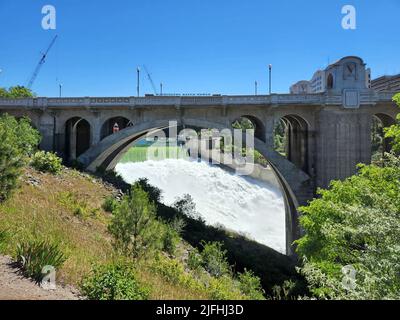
[274,99]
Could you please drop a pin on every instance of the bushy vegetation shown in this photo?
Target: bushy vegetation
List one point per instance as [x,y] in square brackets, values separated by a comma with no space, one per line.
[109,204]
[34,255]
[114,281]
[134,225]
[17,142]
[16,92]
[351,246]
[46,162]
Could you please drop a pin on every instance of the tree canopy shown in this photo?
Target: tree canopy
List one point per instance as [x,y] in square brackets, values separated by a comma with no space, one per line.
[16,92]
[351,246]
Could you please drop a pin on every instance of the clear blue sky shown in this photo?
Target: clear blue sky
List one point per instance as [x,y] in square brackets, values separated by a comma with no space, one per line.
[194,46]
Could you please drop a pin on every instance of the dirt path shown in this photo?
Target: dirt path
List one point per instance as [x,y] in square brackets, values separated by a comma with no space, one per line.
[13,286]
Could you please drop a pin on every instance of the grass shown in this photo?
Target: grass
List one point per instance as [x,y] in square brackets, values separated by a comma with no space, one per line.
[39,213]
[140,153]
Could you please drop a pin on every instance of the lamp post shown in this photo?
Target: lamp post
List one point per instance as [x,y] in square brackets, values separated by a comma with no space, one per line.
[255,87]
[138,81]
[270,78]
[161,87]
[60,89]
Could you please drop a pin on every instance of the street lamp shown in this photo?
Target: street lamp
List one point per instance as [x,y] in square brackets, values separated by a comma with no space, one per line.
[270,78]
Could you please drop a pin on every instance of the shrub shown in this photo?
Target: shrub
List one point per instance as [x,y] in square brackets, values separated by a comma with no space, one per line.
[17,141]
[79,208]
[250,285]
[115,281]
[214,259]
[172,234]
[109,204]
[46,162]
[170,240]
[154,193]
[187,207]
[194,262]
[134,226]
[34,255]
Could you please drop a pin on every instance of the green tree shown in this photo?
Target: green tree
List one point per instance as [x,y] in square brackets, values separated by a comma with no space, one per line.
[134,225]
[393,132]
[350,249]
[16,92]
[18,140]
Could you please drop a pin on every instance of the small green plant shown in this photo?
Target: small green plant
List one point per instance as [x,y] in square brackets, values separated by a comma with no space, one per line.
[170,240]
[34,255]
[195,261]
[250,285]
[46,162]
[115,281]
[110,204]
[214,259]
[78,207]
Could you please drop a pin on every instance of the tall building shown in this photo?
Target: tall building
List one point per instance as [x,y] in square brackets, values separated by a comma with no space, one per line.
[320,80]
[386,83]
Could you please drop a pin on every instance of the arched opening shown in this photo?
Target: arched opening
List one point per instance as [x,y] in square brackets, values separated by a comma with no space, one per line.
[250,122]
[77,137]
[379,144]
[113,125]
[291,140]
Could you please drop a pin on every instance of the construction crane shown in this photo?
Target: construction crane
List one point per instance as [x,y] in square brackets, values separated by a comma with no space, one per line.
[151,80]
[40,64]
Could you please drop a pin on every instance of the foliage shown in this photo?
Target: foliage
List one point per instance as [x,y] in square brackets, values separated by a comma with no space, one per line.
[16,92]
[214,259]
[283,292]
[114,281]
[78,207]
[34,255]
[250,285]
[3,237]
[393,132]
[110,204]
[17,141]
[356,222]
[243,124]
[195,261]
[280,137]
[187,207]
[172,234]
[134,225]
[153,193]
[46,162]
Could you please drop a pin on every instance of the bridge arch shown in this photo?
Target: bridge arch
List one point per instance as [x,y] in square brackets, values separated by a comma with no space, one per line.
[291,139]
[256,123]
[295,184]
[108,125]
[379,144]
[78,137]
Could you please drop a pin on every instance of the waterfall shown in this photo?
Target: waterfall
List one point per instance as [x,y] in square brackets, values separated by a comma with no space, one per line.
[241,204]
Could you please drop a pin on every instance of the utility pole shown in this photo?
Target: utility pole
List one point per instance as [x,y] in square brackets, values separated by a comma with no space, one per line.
[161,85]
[138,81]
[60,89]
[255,87]
[270,78]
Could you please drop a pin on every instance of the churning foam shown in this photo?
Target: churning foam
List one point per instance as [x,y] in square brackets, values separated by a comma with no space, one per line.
[238,203]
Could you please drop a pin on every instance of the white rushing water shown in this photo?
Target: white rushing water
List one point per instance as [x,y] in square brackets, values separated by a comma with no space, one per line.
[241,204]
